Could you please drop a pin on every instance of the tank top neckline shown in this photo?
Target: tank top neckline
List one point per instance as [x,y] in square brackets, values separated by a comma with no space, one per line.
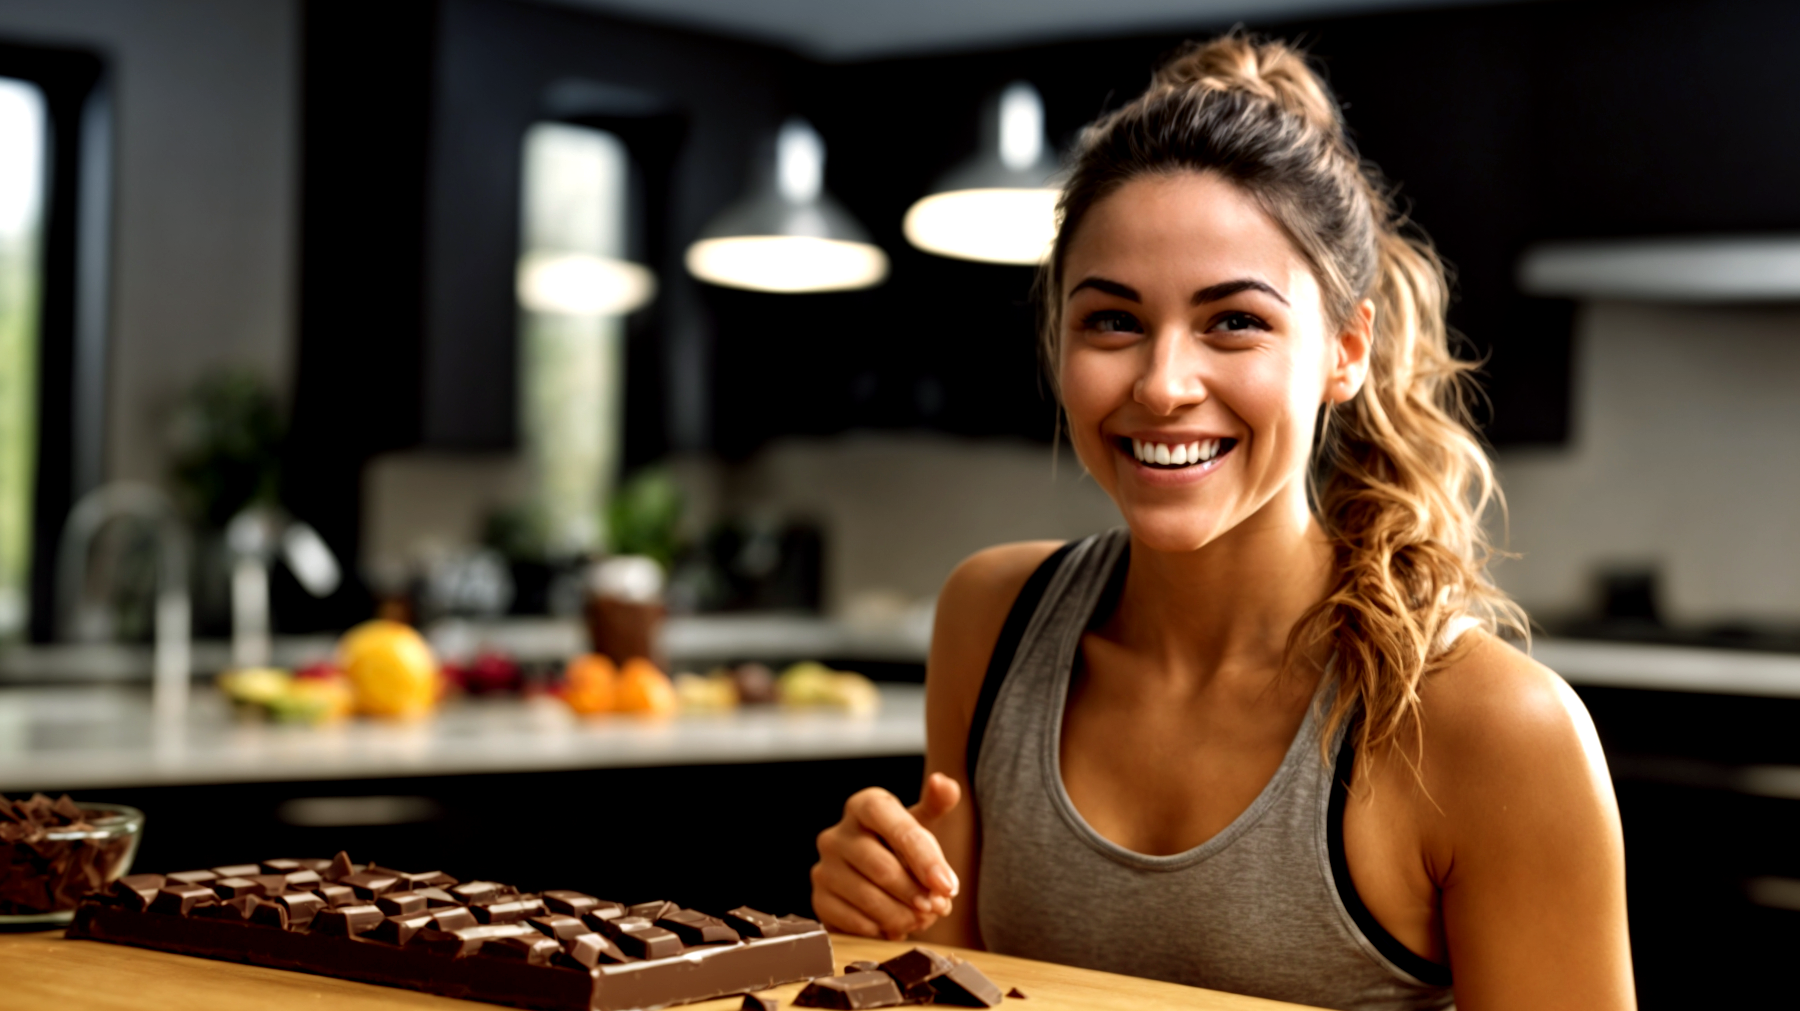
[1300,749]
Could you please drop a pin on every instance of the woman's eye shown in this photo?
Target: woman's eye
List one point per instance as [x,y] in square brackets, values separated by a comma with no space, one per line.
[1112,321]
[1237,321]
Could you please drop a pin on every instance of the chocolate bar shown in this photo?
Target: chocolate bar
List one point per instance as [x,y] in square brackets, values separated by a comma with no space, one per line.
[481,940]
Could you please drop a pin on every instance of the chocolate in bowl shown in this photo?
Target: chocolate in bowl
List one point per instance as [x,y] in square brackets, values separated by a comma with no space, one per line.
[47,868]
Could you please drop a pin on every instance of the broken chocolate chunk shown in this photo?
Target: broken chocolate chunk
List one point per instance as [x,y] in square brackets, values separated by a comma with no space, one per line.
[1016,994]
[370,886]
[193,877]
[695,927]
[401,903]
[235,887]
[759,1002]
[137,890]
[478,891]
[570,903]
[302,880]
[535,950]
[346,921]
[401,928]
[590,950]
[652,911]
[266,913]
[560,926]
[301,907]
[862,965]
[508,909]
[337,895]
[850,992]
[920,965]
[180,899]
[436,897]
[453,918]
[966,986]
[339,868]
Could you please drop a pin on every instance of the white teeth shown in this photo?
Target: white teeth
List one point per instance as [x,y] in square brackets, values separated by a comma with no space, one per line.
[1137,449]
[1185,454]
[1162,453]
[1179,456]
[1209,448]
[1193,451]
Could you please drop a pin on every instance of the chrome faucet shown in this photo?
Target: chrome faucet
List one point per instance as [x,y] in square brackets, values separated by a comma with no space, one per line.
[255,536]
[174,624]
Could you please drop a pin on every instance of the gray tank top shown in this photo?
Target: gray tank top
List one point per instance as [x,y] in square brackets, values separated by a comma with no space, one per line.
[1265,907]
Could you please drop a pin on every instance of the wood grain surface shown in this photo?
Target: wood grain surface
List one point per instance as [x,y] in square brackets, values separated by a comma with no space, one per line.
[45,971]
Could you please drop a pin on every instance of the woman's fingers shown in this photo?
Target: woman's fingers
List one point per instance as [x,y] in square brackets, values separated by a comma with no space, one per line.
[859,905]
[882,813]
[879,864]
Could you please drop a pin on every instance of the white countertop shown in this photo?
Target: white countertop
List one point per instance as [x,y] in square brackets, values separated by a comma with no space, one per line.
[101,736]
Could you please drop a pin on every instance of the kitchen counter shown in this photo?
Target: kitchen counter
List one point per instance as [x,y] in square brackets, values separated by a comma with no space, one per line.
[43,970]
[74,737]
[1654,667]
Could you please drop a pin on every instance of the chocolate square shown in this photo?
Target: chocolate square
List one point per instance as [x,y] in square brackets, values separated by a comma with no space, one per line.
[640,938]
[238,870]
[508,909]
[965,985]
[590,950]
[436,898]
[560,926]
[193,877]
[752,922]
[477,891]
[369,885]
[537,950]
[235,910]
[337,895]
[270,914]
[231,888]
[694,927]
[400,929]
[181,899]
[346,921]
[652,911]
[569,903]
[853,991]
[301,907]
[401,903]
[304,880]
[453,918]
[920,965]
[469,940]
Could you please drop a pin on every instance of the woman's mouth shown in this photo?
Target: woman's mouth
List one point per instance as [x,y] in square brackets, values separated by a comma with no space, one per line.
[1176,455]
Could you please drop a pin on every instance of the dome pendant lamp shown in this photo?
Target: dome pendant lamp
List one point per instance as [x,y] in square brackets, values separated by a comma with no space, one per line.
[1000,206]
[787,234]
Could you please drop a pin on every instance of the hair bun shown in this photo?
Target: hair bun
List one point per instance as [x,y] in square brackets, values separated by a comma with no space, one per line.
[1269,70]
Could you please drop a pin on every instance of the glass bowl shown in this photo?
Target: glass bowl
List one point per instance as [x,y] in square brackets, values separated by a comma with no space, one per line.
[43,879]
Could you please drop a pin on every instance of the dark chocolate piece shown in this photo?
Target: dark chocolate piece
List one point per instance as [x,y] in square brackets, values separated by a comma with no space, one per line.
[193,877]
[370,886]
[590,950]
[180,899]
[273,884]
[453,918]
[272,913]
[337,895]
[560,926]
[346,921]
[339,868]
[862,965]
[920,965]
[760,1002]
[652,911]
[640,938]
[234,887]
[478,891]
[508,909]
[570,903]
[467,941]
[301,907]
[401,903]
[850,992]
[235,910]
[411,880]
[238,870]
[136,891]
[437,898]
[752,922]
[302,880]
[919,993]
[283,865]
[789,925]
[695,927]
[1016,994]
[966,986]
[536,950]
[400,929]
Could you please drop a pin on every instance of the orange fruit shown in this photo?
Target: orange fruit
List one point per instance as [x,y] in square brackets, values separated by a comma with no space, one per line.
[644,689]
[590,684]
[391,669]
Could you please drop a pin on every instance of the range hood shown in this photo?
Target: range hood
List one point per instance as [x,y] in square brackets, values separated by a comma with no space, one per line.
[1762,268]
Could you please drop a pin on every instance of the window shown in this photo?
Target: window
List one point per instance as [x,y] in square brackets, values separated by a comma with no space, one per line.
[22,136]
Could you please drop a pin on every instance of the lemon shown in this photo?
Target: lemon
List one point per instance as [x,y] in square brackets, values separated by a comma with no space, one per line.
[391,669]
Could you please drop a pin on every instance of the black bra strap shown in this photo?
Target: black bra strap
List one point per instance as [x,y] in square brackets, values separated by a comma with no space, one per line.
[1011,634]
[1424,969]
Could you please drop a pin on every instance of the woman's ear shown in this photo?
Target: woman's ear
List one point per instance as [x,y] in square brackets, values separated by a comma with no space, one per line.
[1350,358]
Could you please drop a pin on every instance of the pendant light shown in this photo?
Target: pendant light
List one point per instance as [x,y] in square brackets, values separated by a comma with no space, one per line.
[787,234]
[999,206]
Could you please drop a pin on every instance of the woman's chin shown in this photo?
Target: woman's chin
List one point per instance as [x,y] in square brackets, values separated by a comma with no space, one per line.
[1171,530]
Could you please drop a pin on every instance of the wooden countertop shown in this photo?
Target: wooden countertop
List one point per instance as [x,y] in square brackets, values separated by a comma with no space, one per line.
[44,970]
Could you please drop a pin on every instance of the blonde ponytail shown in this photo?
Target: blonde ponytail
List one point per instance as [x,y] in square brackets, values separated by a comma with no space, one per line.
[1403,483]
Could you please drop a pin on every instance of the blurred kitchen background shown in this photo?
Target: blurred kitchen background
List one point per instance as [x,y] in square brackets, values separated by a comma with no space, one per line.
[313,311]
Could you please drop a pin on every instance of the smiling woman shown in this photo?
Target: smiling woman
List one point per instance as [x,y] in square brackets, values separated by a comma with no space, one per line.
[1265,738]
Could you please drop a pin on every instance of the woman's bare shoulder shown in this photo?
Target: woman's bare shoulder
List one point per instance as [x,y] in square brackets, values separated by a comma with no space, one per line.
[970,612]
[1505,736]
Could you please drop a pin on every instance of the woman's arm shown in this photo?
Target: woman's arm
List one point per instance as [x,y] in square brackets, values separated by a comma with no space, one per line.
[1523,837]
[890,870]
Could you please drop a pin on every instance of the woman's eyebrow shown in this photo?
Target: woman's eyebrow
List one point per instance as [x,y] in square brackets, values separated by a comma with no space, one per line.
[1125,292]
[1226,289]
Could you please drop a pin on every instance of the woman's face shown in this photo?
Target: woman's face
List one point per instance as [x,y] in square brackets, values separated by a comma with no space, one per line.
[1195,354]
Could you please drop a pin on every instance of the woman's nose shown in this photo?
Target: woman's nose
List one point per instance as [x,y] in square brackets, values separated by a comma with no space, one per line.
[1171,376]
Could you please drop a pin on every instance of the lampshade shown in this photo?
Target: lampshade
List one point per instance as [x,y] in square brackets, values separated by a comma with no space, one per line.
[1000,206]
[787,234]
[583,284]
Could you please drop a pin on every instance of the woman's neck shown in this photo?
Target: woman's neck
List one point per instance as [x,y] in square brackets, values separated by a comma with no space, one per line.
[1226,609]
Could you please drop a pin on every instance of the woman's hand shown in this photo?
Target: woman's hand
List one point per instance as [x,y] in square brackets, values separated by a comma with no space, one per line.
[881,872]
